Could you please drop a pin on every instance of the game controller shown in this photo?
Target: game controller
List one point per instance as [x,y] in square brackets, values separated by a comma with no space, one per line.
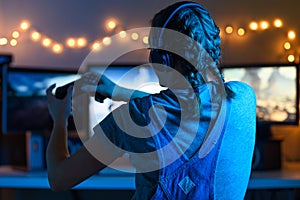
[62,91]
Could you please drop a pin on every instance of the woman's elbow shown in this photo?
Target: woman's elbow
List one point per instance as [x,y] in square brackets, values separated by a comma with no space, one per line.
[57,184]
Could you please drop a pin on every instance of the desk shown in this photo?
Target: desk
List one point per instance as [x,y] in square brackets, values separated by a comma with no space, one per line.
[279,179]
[106,179]
[110,179]
[286,178]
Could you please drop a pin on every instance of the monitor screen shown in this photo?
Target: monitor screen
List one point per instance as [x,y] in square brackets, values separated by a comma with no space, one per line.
[140,77]
[24,101]
[276,88]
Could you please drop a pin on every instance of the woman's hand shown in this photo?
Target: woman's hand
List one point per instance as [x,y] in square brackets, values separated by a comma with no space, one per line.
[59,109]
[105,87]
[99,83]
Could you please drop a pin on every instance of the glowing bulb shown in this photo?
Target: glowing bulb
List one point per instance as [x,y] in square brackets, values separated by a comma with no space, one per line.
[291,58]
[57,48]
[81,42]
[241,32]
[122,34]
[278,23]
[15,34]
[145,40]
[24,25]
[264,25]
[3,41]
[96,46]
[46,42]
[106,41]
[35,36]
[71,42]
[287,46]
[253,26]
[291,35]
[134,36]
[229,29]
[13,42]
[111,24]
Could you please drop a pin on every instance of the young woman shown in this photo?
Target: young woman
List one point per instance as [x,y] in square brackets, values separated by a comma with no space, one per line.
[193,140]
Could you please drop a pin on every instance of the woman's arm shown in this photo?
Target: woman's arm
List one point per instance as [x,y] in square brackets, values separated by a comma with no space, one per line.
[65,171]
[108,88]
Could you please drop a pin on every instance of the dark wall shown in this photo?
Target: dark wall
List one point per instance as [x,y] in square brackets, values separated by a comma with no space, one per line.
[62,19]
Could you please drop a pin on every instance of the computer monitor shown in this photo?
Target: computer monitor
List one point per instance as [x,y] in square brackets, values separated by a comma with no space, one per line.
[5,59]
[24,100]
[277,92]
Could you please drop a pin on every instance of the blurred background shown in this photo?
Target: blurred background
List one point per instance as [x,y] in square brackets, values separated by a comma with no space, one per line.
[61,33]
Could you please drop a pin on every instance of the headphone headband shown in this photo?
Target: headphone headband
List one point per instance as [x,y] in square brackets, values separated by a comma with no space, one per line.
[164,57]
[171,16]
[177,9]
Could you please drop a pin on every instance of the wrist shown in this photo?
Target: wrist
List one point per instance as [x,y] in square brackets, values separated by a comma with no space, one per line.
[62,124]
[118,93]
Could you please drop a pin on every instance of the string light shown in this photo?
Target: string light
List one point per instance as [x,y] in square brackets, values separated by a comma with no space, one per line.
[46,42]
[24,25]
[241,32]
[81,42]
[134,36]
[291,58]
[264,25]
[291,35]
[287,45]
[15,34]
[96,46]
[122,34]
[3,41]
[278,23]
[57,48]
[112,24]
[13,42]
[253,26]
[145,39]
[229,29]
[71,42]
[35,36]
[106,41]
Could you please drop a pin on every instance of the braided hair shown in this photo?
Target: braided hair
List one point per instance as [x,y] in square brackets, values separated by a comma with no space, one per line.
[197,24]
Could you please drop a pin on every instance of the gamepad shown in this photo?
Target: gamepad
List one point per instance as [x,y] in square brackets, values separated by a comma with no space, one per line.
[61,92]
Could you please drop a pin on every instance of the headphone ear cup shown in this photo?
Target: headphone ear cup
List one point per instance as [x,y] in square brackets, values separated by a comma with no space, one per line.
[167,59]
[162,57]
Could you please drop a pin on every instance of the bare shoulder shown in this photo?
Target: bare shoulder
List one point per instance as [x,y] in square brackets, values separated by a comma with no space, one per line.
[242,90]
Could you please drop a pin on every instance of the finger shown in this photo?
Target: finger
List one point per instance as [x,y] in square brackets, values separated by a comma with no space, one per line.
[69,93]
[49,90]
[91,78]
[90,89]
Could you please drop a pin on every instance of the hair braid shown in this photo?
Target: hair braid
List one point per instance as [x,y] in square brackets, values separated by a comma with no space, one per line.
[196,23]
[205,53]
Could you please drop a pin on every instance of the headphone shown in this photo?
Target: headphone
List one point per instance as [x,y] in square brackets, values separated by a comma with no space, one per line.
[162,56]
